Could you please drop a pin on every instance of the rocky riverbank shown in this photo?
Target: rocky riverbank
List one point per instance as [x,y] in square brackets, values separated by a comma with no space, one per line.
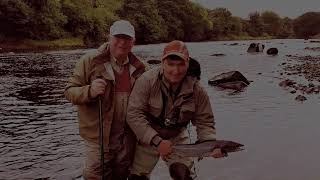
[303,66]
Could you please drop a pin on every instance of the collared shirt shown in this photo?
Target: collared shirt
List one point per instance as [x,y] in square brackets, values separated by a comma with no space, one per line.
[170,96]
[121,103]
[117,66]
[170,91]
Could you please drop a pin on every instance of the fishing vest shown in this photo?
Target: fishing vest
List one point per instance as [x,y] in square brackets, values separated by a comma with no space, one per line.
[170,124]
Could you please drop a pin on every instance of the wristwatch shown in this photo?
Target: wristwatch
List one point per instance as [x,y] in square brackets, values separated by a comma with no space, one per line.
[156,140]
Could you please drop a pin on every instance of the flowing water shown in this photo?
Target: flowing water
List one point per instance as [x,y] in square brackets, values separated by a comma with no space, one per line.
[39,135]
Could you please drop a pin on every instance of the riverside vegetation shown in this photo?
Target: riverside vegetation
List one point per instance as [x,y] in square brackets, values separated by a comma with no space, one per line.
[29,25]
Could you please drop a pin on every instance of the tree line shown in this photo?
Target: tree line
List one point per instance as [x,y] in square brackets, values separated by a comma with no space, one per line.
[154,20]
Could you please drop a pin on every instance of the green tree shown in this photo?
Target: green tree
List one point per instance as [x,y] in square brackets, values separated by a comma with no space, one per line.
[286,29]
[14,18]
[101,18]
[224,24]
[144,15]
[235,25]
[271,22]
[47,21]
[90,19]
[78,13]
[195,20]
[245,26]
[220,18]
[307,25]
[170,12]
[255,24]
[184,19]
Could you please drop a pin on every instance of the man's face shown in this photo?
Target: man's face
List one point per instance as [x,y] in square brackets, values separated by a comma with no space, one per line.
[175,70]
[121,45]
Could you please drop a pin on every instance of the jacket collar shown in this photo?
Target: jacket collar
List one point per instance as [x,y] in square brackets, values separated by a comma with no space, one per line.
[186,87]
[136,67]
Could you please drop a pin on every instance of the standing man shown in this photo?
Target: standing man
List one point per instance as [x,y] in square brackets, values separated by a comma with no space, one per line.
[108,73]
[161,105]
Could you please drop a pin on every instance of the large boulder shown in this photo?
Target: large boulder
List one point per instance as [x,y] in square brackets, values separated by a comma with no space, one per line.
[255,47]
[230,80]
[272,51]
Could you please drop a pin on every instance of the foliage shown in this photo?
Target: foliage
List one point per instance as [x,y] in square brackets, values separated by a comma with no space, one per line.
[271,23]
[14,17]
[78,16]
[55,43]
[47,20]
[89,19]
[220,18]
[144,15]
[256,24]
[286,30]
[307,25]
[236,25]
[154,20]
[168,10]
[196,23]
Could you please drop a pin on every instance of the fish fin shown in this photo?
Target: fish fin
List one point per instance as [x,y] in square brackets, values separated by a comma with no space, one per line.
[224,152]
[199,142]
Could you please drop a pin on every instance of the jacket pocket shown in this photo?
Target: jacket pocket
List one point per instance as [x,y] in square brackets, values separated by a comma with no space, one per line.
[187,111]
[155,106]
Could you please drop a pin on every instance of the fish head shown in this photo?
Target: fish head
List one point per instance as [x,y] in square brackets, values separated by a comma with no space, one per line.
[230,146]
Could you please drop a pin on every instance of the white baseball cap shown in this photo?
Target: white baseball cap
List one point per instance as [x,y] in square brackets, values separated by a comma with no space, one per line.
[122,27]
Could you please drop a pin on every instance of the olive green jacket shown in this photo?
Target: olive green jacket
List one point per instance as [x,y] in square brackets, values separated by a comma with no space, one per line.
[91,66]
[146,97]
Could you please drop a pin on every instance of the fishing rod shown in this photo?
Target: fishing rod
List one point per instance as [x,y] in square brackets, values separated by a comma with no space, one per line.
[101,136]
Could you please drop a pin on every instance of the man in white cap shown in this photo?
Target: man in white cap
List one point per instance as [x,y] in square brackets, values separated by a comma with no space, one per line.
[108,73]
[162,103]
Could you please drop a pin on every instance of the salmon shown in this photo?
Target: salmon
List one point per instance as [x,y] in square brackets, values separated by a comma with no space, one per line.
[204,149]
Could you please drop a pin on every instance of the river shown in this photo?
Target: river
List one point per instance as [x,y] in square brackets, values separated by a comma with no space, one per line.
[39,135]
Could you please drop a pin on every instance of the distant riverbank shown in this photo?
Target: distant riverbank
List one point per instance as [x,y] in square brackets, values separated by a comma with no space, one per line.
[27,45]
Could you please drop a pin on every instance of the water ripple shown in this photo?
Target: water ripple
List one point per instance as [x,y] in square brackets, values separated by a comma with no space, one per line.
[39,136]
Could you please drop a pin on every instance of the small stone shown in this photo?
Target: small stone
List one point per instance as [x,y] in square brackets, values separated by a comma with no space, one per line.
[218,54]
[293,91]
[311,85]
[300,98]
